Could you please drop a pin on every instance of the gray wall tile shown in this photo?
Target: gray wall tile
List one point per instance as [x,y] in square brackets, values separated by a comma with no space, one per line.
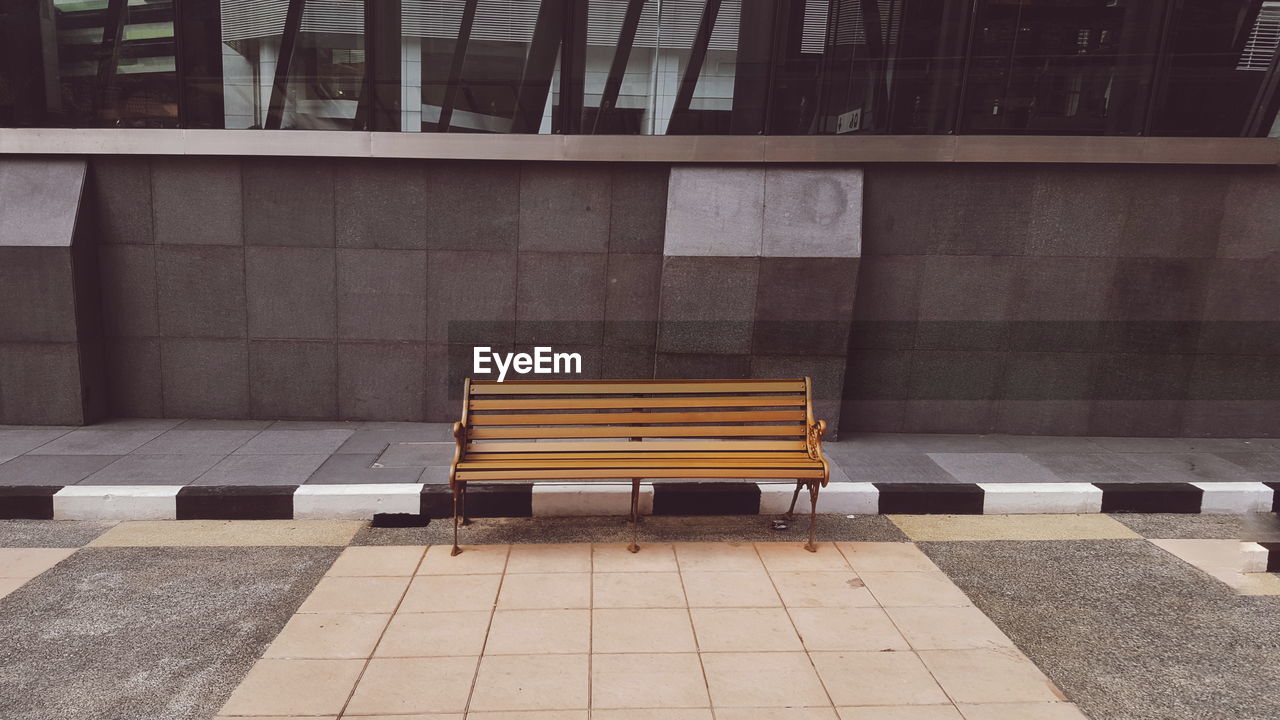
[1154,304]
[289,201]
[715,211]
[708,304]
[1140,418]
[1241,307]
[201,291]
[631,362]
[560,298]
[474,289]
[121,190]
[197,200]
[631,299]
[133,381]
[380,204]
[804,305]
[638,208]
[885,416]
[1043,417]
[992,211]
[473,206]
[1251,217]
[965,301]
[1228,418]
[205,378]
[42,200]
[812,212]
[128,281]
[949,416]
[40,384]
[293,379]
[382,381]
[1173,212]
[38,297]
[903,205]
[291,293]
[887,302]
[382,294]
[589,361]
[825,373]
[689,365]
[564,207]
[1079,211]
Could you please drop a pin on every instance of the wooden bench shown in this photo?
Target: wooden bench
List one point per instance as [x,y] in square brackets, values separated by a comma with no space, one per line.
[593,430]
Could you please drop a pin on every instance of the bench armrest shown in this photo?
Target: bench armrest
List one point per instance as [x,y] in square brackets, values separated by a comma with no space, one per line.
[813,439]
[460,436]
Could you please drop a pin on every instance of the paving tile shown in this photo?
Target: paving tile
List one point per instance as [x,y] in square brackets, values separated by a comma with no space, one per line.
[648,681]
[993,467]
[885,557]
[644,714]
[534,632]
[947,628]
[637,590]
[30,562]
[989,676]
[695,557]
[759,680]
[153,470]
[611,558]
[730,589]
[474,560]
[230,425]
[822,589]
[903,712]
[450,593]
[914,589]
[351,469]
[369,440]
[531,682]
[52,469]
[641,630]
[794,713]
[878,466]
[550,558]
[792,557]
[545,591]
[839,629]
[229,533]
[434,634]
[355,595]
[413,685]
[1094,467]
[292,442]
[877,678]
[1190,467]
[89,441]
[1018,711]
[1012,527]
[15,441]
[744,630]
[8,585]
[373,561]
[181,441]
[416,454]
[328,636]
[510,715]
[261,470]
[277,686]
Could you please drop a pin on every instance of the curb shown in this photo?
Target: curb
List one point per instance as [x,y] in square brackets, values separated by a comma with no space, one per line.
[294,502]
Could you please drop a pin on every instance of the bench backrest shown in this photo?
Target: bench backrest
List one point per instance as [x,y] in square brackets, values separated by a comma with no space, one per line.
[611,416]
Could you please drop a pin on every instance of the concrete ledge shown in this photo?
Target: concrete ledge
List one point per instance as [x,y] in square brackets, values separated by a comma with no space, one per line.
[1040,498]
[116,502]
[1235,497]
[355,501]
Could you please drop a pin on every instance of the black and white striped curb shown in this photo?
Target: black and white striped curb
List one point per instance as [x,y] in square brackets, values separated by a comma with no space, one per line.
[263,502]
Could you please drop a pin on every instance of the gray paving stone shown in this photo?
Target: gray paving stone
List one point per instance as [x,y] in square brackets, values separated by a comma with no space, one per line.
[890,467]
[1049,443]
[358,469]
[1191,467]
[317,425]
[275,469]
[410,454]
[224,425]
[365,442]
[200,442]
[1264,466]
[1144,445]
[1184,526]
[993,467]
[136,423]
[46,534]
[295,442]
[922,443]
[92,441]
[153,470]
[52,469]
[1094,467]
[15,440]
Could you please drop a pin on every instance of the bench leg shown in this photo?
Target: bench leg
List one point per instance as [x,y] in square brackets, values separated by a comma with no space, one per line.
[456,549]
[791,511]
[635,516]
[813,516]
[465,520]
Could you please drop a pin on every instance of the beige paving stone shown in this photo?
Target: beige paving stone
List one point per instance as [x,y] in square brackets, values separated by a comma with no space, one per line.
[614,557]
[822,589]
[1022,711]
[628,590]
[877,678]
[229,533]
[451,593]
[1205,554]
[998,675]
[531,682]
[277,686]
[1012,527]
[538,591]
[550,558]
[760,680]
[524,715]
[8,585]
[355,595]
[530,632]
[794,713]
[744,630]
[26,563]
[414,716]
[648,681]
[474,560]
[653,714]
[886,557]
[791,556]
[913,589]
[641,631]
[846,629]
[905,712]
[703,557]
[434,634]
[947,628]
[280,717]
[377,561]
[730,589]
[1257,584]
[397,686]
[328,636]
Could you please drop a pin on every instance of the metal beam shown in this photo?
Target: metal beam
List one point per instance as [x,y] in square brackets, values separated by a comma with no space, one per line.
[109,54]
[697,55]
[535,80]
[1262,113]
[455,65]
[621,56]
[280,85]
[573,67]
[378,108]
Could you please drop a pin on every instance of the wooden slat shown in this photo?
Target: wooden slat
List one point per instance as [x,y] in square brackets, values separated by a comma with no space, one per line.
[605,473]
[749,455]
[655,387]
[588,403]
[622,445]
[633,462]
[605,418]
[615,431]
